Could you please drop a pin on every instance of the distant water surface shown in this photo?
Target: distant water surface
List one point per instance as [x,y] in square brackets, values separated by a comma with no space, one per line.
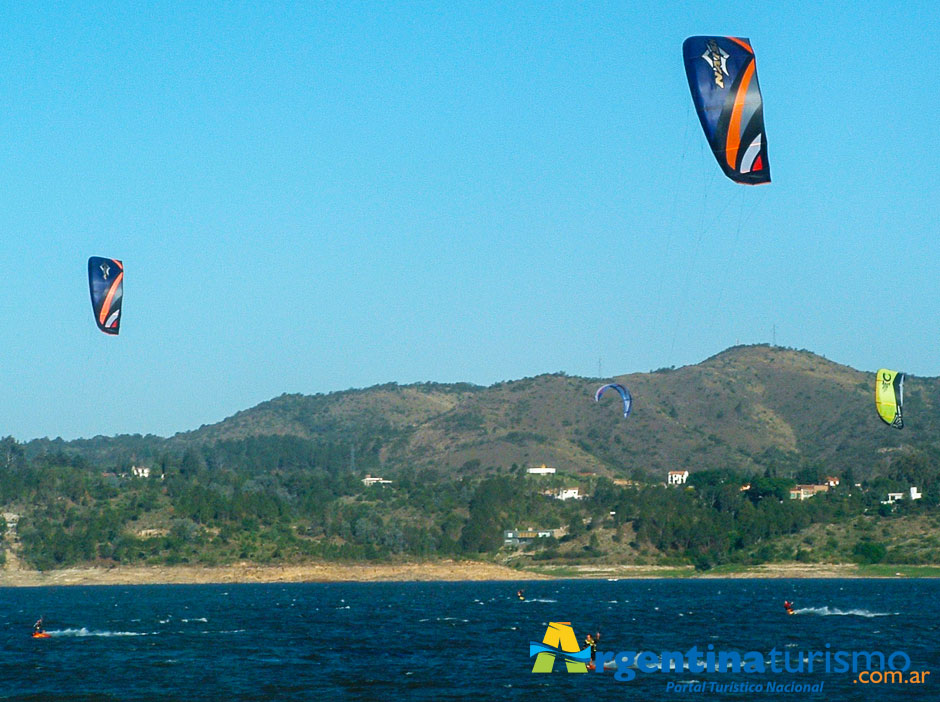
[445,641]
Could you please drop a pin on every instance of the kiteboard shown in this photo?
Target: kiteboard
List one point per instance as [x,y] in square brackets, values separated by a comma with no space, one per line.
[41,635]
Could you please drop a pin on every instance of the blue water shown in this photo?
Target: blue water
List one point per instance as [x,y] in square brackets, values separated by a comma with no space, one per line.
[444,641]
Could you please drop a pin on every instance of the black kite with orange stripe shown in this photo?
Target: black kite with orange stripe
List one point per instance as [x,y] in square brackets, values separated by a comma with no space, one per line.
[722,73]
[106,284]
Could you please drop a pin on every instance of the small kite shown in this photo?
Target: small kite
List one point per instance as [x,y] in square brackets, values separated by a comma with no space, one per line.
[106,284]
[889,397]
[624,394]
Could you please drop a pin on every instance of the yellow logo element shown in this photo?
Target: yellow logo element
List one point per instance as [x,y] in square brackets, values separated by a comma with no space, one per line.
[561,637]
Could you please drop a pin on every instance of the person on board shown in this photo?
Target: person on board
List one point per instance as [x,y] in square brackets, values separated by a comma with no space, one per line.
[38,627]
[520,594]
[787,605]
[592,642]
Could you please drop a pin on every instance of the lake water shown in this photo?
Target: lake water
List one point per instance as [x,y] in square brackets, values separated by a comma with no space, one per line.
[451,641]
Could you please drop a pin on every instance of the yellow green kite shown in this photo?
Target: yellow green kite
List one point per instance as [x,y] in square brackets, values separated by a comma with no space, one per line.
[889,396]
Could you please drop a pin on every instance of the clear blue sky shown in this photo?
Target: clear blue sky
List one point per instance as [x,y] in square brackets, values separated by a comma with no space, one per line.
[309,197]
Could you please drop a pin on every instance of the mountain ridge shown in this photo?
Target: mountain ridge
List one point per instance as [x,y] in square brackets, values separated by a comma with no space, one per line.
[747,408]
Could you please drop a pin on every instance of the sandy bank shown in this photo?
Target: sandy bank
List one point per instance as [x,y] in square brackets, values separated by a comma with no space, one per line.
[248,573]
[795,570]
[428,571]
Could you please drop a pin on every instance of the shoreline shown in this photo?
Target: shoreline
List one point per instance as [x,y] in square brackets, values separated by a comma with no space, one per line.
[429,571]
[314,572]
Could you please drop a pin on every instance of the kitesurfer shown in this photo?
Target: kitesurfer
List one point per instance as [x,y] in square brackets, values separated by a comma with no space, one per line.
[787,605]
[592,642]
[520,594]
[38,627]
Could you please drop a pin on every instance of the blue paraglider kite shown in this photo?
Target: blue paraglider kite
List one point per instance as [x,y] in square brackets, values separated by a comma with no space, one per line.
[624,394]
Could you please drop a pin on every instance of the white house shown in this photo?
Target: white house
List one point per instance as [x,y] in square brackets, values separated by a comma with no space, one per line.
[140,471]
[677,477]
[572,493]
[515,537]
[369,480]
[541,470]
[893,497]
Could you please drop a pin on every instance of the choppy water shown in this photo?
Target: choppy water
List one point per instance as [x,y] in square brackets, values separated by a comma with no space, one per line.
[440,641]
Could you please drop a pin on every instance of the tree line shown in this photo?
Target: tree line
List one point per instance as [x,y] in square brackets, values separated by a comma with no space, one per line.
[285,499]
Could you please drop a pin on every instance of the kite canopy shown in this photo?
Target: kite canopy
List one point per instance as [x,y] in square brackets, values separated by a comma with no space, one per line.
[106,284]
[889,397]
[624,394]
[722,73]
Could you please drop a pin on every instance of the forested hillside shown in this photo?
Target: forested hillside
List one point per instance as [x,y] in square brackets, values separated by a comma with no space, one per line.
[283,481]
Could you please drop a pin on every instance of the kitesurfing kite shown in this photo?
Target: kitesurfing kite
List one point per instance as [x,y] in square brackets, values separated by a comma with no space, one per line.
[889,397]
[624,394]
[722,73]
[106,284]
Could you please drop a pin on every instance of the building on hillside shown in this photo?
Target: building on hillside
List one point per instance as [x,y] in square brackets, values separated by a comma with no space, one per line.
[140,471]
[518,537]
[677,477]
[369,480]
[804,492]
[624,482]
[541,470]
[913,494]
[832,481]
[893,497]
[745,487]
[571,493]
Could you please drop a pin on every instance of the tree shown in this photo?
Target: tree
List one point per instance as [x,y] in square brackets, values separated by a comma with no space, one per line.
[869,552]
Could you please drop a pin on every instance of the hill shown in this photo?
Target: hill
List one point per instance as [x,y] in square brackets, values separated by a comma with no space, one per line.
[747,408]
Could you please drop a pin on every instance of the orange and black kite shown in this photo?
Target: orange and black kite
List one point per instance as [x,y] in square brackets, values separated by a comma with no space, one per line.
[722,73]
[106,283]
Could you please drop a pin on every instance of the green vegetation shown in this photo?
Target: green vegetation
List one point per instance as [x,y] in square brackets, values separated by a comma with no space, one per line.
[222,503]
[887,571]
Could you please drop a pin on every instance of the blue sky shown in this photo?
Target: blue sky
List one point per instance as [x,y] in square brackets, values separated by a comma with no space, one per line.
[311,197]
